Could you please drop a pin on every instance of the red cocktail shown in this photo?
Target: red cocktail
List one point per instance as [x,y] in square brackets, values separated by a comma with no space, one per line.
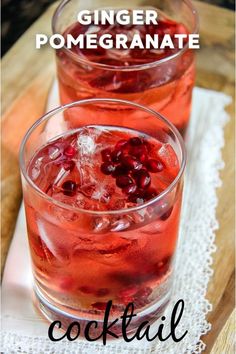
[102,205]
[161,79]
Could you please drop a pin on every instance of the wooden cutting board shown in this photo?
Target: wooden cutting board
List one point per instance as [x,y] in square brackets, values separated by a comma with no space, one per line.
[27,76]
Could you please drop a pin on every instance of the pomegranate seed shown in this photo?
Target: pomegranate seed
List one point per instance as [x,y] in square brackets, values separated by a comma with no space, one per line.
[127,299]
[121,144]
[135,174]
[143,292]
[143,157]
[116,155]
[167,214]
[69,151]
[154,165]
[132,188]
[120,170]
[69,188]
[131,291]
[102,292]
[68,165]
[106,155]
[132,163]
[86,289]
[107,168]
[163,266]
[138,151]
[66,283]
[135,141]
[141,297]
[164,262]
[138,303]
[143,179]
[123,181]
[137,197]
[99,306]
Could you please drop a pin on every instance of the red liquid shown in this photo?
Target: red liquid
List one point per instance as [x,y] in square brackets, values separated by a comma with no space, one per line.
[81,260]
[166,87]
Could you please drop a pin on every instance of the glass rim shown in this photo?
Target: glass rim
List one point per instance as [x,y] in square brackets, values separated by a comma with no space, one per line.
[85,61]
[62,108]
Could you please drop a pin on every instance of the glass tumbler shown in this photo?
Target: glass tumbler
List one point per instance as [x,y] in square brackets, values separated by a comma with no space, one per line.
[100,242]
[160,79]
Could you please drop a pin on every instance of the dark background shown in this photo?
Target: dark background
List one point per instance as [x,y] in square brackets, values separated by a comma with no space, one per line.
[18,15]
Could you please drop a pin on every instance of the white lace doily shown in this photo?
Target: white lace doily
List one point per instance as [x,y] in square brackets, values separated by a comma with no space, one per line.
[24,332]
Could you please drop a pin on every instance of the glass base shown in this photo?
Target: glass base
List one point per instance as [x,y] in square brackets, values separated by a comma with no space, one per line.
[53,313]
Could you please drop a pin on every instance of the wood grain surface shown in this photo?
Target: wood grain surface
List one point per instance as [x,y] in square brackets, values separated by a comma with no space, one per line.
[26,78]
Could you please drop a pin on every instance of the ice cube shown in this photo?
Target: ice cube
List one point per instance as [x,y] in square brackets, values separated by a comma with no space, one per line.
[36,170]
[53,152]
[120,224]
[86,144]
[116,53]
[45,238]
[35,173]
[60,176]
[88,189]
[103,193]
[58,246]
[98,193]
[92,29]
[101,224]
[80,203]
[153,228]
[168,156]
[117,203]
[39,161]
[108,81]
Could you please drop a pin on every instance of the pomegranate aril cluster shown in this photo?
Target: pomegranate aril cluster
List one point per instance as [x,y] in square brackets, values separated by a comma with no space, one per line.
[130,165]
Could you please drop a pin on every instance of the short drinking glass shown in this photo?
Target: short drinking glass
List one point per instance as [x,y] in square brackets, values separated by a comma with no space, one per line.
[162,79]
[102,205]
